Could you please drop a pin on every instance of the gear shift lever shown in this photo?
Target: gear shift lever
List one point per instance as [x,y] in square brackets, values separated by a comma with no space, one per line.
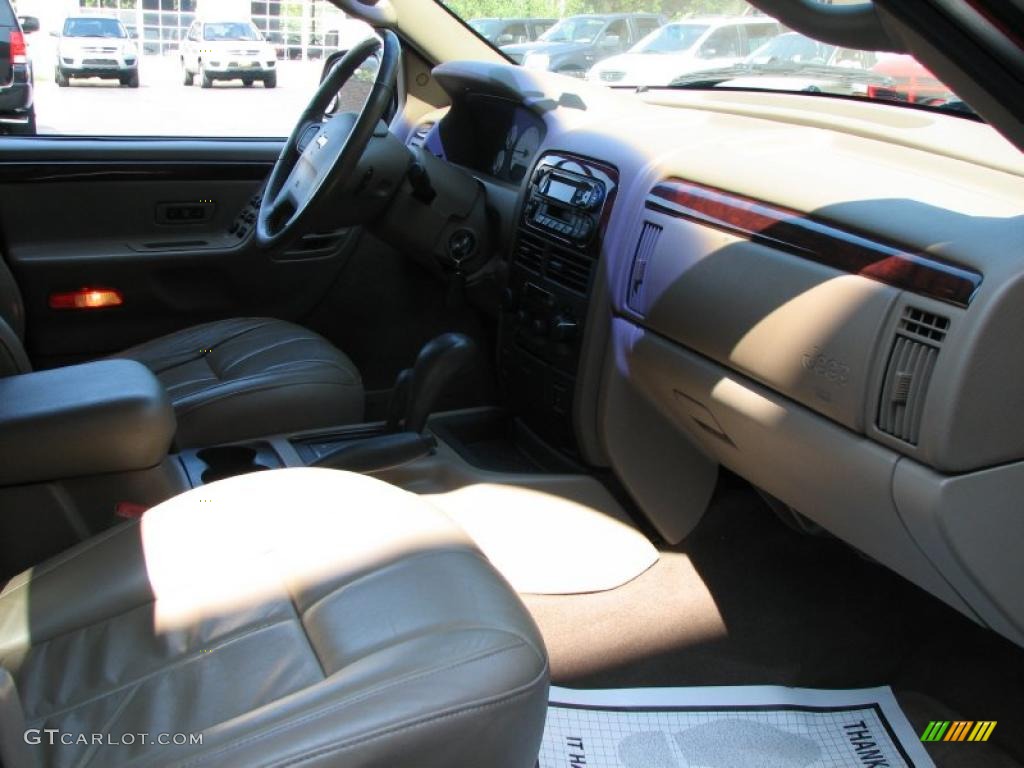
[436,365]
[416,393]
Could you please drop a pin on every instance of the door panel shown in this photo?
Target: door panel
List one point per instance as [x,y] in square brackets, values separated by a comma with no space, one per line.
[152,219]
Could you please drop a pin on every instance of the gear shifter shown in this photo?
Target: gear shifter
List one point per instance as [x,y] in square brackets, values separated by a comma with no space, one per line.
[440,361]
[416,393]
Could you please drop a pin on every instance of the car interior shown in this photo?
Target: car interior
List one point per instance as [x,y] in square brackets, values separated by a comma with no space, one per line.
[341,449]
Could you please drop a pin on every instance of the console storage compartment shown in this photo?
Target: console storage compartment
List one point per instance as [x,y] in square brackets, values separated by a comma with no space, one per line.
[97,418]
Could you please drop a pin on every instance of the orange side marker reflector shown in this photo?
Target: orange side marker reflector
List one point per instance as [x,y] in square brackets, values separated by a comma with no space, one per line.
[87,298]
[128,510]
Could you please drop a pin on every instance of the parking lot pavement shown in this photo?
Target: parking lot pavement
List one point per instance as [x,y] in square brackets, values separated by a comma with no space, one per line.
[164,106]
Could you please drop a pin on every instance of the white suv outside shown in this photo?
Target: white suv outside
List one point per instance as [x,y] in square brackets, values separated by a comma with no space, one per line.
[685,46]
[96,46]
[227,50]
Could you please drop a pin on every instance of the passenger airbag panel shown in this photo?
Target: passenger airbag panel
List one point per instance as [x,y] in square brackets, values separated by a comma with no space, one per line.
[804,329]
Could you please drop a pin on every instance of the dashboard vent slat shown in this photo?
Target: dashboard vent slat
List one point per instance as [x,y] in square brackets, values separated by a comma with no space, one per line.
[529,253]
[568,268]
[919,336]
[419,136]
[923,325]
[911,364]
[645,246]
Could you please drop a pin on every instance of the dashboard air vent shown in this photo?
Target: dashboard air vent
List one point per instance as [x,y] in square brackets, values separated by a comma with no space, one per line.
[924,325]
[529,253]
[561,265]
[641,259]
[907,377]
[419,136]
[569,269]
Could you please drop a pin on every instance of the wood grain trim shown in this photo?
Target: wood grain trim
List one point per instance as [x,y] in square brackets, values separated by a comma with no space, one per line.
[813,239]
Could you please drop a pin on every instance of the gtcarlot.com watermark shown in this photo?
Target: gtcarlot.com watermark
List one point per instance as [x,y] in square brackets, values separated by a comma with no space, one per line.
[55,737]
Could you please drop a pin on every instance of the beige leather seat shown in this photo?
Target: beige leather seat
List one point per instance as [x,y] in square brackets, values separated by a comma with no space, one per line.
[251,377]
[228,380]
[294,617]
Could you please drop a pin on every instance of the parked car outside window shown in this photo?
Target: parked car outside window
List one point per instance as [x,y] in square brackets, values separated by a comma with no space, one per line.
[683,47]
[96,47]
[576,43]
[227,50]
[17,109]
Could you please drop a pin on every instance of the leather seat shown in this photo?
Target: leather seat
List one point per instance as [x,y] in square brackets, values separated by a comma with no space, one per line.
[228,380]
[298,616]
[249,377]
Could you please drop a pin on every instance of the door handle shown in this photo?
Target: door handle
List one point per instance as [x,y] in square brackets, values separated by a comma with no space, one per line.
[185,213]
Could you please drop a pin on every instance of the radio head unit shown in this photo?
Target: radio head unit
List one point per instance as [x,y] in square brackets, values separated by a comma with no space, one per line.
[564,203]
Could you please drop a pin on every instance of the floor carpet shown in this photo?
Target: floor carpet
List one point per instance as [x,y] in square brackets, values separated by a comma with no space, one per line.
[745,600]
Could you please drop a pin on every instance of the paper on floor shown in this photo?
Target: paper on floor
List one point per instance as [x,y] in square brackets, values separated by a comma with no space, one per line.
[728,727]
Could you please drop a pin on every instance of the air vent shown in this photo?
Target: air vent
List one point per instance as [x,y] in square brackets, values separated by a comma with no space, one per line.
[563,266]
[907,377]
[641,259]
[926,326]
[419,136]
[529,253]
[570,269]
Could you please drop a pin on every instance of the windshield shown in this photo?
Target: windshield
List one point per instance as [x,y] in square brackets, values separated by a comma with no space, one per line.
[727,44]
[793,48]
[576,30]
[672,38]
[94,28]
[231,30]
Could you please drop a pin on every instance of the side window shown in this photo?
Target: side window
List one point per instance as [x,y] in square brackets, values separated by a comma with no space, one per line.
[243,76]
[616,36]
[722,44]
[540,29]
[645,26]
[759,34]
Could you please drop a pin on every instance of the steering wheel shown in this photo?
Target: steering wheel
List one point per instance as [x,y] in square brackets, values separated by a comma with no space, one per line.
[322,153]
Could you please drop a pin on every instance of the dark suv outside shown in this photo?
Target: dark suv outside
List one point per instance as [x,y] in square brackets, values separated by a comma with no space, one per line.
[576,43]
[17,111]
[510,31]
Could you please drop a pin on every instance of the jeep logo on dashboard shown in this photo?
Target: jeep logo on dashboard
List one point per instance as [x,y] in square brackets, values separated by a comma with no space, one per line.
[829,368]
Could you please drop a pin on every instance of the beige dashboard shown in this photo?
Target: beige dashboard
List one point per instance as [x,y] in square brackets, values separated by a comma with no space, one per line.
[824,296]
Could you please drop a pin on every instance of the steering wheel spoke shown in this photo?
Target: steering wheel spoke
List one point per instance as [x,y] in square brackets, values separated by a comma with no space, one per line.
[307,133]
[322,153]
[282,209]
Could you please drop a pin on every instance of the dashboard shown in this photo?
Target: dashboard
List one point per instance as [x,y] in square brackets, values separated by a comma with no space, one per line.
[823,296]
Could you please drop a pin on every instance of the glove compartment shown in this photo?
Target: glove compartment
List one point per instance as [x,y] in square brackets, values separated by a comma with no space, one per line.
[839,479]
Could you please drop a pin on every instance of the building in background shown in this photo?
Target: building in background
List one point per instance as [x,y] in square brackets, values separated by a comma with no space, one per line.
[303,29]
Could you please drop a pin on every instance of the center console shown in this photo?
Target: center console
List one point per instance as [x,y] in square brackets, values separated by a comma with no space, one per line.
[552,271]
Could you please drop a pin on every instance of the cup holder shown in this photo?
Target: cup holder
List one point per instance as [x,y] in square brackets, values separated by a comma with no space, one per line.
[224,461]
